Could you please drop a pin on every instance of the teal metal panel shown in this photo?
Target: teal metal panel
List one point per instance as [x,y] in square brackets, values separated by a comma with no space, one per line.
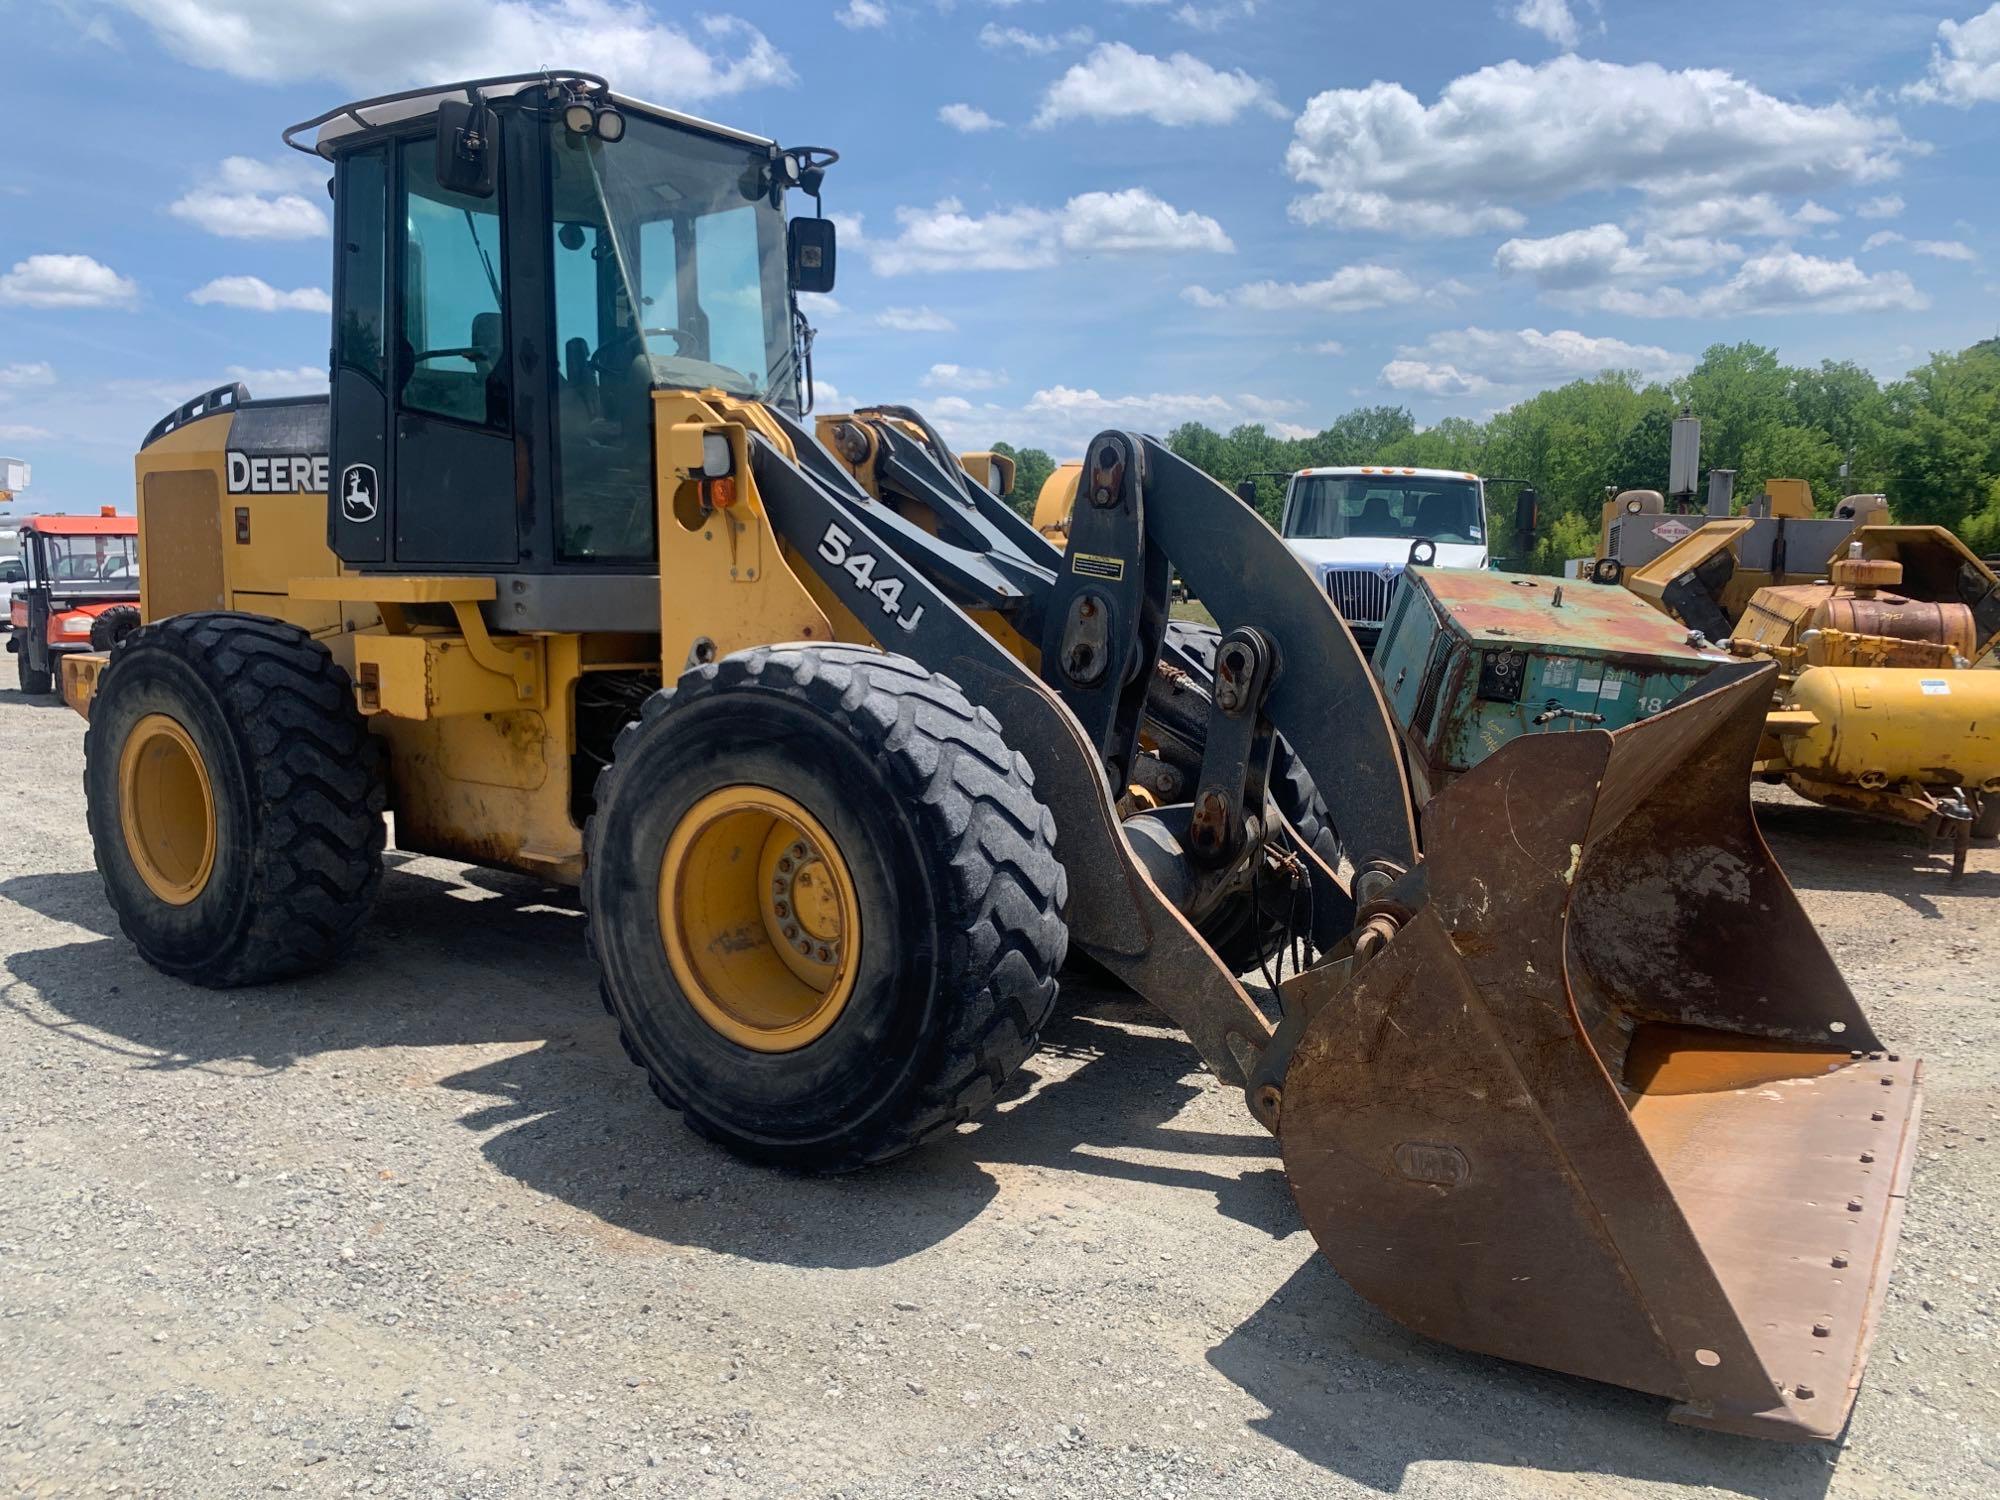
[1584,656]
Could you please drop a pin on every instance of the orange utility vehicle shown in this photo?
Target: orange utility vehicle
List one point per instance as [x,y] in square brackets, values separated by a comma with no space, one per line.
[79,592]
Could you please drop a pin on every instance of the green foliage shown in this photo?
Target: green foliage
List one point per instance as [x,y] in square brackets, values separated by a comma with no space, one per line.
[1931,442]
[1935,440]
[1570,536]
[1032,468]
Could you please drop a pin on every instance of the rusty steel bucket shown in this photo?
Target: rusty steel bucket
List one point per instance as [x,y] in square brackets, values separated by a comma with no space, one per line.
[1604,1103]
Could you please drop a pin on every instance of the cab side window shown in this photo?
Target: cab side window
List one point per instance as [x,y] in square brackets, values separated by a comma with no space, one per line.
[453,340]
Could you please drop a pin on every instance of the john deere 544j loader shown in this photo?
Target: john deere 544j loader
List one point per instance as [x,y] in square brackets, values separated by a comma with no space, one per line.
[845,757]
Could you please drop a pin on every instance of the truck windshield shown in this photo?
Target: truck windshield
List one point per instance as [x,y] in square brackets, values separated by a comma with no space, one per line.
[671,257]
[1401,506]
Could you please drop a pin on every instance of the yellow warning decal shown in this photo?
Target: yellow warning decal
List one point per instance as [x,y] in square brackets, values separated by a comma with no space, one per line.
[1097,565]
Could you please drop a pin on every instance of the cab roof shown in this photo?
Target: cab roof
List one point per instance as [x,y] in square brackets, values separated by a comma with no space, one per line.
[364,116]
[98,525]
[1357,471]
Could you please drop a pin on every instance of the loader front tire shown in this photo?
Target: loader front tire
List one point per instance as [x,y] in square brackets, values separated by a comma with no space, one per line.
[235,798]
[824,902]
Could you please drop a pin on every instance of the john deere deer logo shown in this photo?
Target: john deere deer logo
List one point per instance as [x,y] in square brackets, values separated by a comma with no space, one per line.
[357,492]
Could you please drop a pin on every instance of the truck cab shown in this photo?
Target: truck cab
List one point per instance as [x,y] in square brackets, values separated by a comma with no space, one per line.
[1354,527]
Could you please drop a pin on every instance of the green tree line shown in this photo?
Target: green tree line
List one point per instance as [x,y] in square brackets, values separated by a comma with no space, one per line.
[1930,442]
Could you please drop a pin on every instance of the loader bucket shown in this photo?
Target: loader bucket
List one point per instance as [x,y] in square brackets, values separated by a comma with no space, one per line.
[1604,1103]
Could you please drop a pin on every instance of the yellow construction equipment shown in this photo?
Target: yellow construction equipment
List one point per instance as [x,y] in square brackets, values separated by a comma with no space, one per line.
[846,758]
[1875,709]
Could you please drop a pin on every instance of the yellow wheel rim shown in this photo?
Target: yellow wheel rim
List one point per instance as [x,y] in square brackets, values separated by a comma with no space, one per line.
[167,809]
[759,918]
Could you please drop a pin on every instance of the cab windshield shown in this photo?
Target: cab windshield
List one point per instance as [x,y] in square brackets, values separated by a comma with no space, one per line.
[1403,507]
[670,254]
[669,271]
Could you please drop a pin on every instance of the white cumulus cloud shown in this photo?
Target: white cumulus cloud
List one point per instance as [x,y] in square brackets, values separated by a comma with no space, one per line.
[1777,281]
[1888,206]
[1552,18]
[1606,253]
[26,375]
[1349,289]
[1471,361]
[915,320]
[1965,62]
[248,199]
[966,118]
[1032,43]
[946,377]
[373,45]
[1118,82]
[66,281]
[945,237]
[1513,133]
[862,15]
[257,295]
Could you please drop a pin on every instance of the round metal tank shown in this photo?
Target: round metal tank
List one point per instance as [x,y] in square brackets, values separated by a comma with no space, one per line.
[1891,725]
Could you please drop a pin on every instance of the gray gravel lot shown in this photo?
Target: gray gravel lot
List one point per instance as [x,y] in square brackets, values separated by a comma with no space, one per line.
[415,1227]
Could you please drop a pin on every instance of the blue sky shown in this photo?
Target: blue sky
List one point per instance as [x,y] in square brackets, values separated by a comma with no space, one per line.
[1058,217]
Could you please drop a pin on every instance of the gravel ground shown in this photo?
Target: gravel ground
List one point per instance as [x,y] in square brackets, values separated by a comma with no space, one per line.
[415,1227]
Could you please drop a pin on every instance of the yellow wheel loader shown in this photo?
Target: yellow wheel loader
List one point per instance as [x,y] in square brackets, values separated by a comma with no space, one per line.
[846,758]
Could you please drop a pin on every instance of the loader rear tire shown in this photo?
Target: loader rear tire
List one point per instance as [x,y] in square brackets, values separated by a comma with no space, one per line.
[235,798]
[1241,934]
[939,930]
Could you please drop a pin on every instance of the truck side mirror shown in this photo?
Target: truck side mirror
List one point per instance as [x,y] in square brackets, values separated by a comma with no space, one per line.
[810,243]
[1527,513]
[1246,491]
[465,148]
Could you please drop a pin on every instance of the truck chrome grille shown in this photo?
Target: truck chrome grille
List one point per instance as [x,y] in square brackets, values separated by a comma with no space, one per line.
[1362,595]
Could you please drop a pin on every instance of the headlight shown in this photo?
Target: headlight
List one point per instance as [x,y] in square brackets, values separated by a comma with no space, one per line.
[76,625]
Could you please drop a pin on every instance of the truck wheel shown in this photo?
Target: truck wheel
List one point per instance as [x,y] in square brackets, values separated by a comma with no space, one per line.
[1241,934]
[112,626]
[235,798]
[824,902]
[34,683]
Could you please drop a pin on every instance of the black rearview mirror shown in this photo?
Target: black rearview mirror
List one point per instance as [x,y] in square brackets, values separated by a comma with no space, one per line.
[811,244]
[465,148]
[1527,512]
[1246,491]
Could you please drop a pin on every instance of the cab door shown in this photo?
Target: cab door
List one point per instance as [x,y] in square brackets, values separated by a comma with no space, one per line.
[423,468]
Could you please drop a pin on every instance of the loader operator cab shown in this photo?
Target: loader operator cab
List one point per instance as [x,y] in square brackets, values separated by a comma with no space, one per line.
[521,263]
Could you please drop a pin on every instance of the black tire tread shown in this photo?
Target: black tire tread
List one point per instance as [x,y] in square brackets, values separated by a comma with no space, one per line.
[1009,888]
[317,774]
[113,625]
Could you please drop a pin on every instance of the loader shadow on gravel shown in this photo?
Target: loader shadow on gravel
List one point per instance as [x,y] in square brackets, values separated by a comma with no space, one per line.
[491,958]
[1351,1391]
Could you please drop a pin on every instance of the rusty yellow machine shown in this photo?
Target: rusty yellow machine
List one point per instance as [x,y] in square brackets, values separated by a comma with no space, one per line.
[846,757]
[1879,708]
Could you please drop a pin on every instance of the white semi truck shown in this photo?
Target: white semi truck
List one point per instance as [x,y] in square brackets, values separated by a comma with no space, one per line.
[1356,526]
